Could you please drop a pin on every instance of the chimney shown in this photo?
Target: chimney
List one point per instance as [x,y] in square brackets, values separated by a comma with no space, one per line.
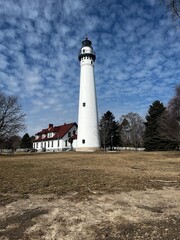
[50,125]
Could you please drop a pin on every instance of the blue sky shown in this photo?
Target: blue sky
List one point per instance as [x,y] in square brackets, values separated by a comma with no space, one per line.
[137,45]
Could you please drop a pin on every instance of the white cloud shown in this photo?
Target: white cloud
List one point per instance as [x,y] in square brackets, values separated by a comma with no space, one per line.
[30,9]
[91,23]
[42,25]
[4,77]
[64,29]
[9,7]
[72,7]
[3,61]
[27,25]
[32,38]
[152,2]
[37,56]
[32,82]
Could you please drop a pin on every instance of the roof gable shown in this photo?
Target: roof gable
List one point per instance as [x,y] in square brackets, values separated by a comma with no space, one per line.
[59,131]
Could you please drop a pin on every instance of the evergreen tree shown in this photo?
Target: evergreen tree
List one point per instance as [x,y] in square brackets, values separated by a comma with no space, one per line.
[157,133]
[109,131]
[26,141]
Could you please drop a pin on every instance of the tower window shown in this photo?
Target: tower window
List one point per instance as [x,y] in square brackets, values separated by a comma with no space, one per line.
[91,62]
[83,141]
[84,104]
[83,50]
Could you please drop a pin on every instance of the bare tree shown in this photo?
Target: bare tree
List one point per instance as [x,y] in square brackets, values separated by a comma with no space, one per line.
[125,131]
[167,129]
[132,129]
[174,5]
[174,104]
[174,112]
[12,143]
[11,117]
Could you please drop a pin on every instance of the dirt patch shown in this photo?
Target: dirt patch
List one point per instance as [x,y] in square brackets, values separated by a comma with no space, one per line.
[150,214]
[164,229]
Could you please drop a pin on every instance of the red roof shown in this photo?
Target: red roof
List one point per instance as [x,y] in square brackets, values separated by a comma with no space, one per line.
[59,131]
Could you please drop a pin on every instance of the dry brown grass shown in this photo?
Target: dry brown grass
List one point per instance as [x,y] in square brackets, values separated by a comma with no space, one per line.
[61,173]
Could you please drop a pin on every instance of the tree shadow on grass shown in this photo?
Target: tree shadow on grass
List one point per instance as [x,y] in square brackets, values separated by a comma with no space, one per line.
[15,226]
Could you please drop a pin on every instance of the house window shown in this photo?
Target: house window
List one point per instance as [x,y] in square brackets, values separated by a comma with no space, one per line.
[74,132]
[69,134]
[41,144]
[58,143]
[52,144]
[66,143]
[36,145]
[83,141]
[50,134]
[84,104]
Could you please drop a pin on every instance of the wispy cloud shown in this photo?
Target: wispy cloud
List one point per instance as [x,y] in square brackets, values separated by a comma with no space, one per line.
[136,43]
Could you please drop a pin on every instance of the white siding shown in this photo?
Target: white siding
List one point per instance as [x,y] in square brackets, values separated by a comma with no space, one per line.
[88,129]
[52,144]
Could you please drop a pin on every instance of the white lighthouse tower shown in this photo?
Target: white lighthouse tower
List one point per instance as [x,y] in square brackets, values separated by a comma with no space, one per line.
[88,129]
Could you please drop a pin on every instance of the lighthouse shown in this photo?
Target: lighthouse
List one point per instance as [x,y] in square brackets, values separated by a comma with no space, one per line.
[88,129]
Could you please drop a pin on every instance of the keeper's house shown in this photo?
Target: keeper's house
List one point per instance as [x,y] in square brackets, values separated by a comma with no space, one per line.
[58,138]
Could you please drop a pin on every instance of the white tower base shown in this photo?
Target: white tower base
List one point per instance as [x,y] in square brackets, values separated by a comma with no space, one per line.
[86,149]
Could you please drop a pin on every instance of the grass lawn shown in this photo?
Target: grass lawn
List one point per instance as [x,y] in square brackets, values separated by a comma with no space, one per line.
[61,173]
[83,176]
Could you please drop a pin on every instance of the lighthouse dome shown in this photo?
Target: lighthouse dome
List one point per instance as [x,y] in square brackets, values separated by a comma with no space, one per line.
[87,50]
